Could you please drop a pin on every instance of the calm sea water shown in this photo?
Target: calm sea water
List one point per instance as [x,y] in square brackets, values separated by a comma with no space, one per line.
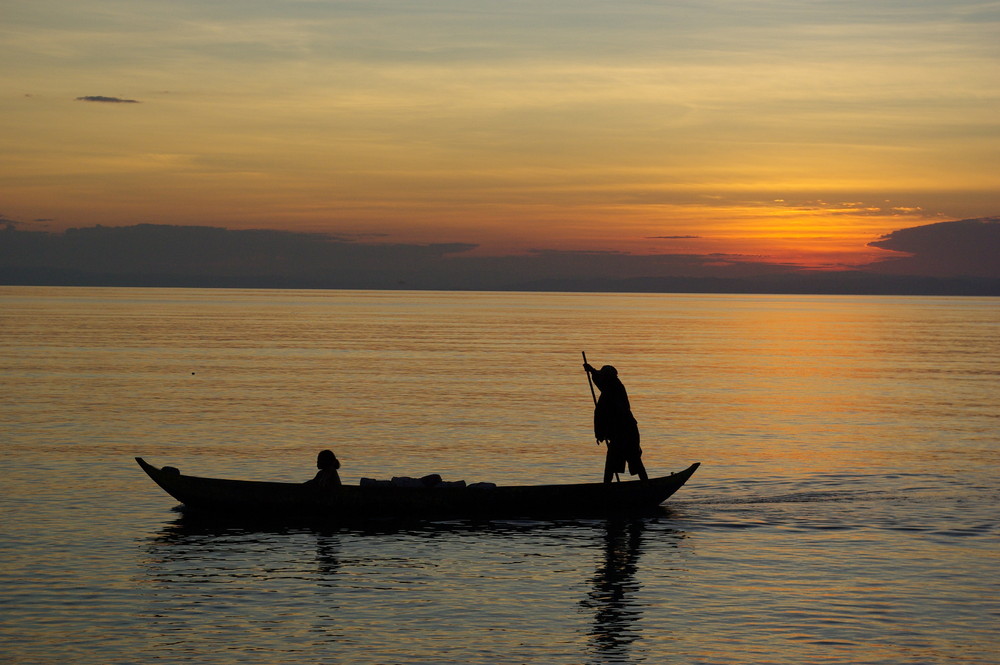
[845,510]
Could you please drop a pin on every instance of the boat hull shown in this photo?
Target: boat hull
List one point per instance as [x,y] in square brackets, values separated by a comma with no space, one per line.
[348,502]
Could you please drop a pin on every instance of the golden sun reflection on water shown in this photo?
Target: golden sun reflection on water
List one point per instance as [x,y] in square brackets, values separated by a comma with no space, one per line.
[844,511]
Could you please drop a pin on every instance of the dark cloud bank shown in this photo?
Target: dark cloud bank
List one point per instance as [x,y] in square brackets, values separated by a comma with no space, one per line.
[101,99]
[950,258]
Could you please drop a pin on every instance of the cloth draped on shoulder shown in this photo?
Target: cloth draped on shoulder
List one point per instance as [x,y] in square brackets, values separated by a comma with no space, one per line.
[613,419]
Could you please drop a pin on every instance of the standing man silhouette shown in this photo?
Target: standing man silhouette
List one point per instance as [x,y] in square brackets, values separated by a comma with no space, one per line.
[615,425]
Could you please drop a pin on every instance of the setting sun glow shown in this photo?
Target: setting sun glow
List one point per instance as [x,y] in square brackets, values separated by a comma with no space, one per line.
[788,133]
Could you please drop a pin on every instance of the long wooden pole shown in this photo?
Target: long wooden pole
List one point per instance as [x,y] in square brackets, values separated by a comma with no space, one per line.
[589,380]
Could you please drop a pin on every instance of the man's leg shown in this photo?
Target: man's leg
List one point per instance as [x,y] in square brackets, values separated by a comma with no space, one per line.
[637,468]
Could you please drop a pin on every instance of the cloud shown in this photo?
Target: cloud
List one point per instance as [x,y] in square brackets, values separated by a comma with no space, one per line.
[966,248]
[107,100]
[204,256]
[211,256]
[8,222]
[672,237]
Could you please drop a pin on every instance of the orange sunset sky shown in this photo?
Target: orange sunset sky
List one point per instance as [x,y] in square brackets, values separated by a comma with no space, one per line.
[790,131]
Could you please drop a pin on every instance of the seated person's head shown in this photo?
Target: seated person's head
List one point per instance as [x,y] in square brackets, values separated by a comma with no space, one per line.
[325,459]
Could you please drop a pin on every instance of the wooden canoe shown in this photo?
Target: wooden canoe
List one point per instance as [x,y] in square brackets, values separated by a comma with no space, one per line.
[347,502]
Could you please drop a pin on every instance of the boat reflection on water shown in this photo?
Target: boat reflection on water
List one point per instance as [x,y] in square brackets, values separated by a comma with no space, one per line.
[505,578]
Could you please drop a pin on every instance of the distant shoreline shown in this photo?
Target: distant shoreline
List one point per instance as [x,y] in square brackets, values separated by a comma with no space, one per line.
[948,258]
[818,283]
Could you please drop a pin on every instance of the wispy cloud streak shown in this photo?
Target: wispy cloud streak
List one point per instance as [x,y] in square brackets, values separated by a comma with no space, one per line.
[107,100]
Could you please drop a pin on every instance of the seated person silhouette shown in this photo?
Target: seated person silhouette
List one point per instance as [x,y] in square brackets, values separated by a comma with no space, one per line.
[327,476]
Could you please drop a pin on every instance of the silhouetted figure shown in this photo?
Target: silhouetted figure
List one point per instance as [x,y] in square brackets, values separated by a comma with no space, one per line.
[615,425]
[327,476]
